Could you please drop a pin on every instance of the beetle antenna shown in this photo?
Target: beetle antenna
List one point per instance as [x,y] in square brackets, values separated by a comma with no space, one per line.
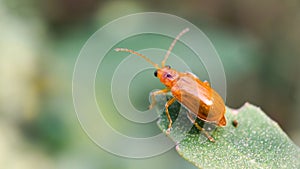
[172,45]
[138,54]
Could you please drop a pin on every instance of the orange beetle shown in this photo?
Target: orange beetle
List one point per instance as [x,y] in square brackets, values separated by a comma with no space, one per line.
[197,96]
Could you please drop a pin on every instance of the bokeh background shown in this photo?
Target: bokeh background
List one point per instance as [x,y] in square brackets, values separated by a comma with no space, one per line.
[258,43]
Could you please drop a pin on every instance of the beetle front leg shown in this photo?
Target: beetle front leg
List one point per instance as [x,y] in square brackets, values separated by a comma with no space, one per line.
[171,101]
[153,94]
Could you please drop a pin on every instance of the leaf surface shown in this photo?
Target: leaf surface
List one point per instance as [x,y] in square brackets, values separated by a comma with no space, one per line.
[256,142]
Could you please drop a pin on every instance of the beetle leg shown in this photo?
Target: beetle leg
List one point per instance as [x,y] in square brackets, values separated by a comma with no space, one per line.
[206,83]
[171,101]
[204,131]
[153,94]
[191,118]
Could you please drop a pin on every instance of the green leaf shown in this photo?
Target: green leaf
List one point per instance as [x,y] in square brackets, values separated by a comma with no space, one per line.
[256,142]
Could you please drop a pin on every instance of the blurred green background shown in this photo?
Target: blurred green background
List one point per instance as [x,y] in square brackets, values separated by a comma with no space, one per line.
[258,42]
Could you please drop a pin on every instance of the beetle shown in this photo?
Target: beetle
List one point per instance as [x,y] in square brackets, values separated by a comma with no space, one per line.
[198,97]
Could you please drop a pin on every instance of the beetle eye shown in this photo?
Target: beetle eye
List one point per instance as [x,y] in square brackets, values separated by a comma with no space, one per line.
[155,73]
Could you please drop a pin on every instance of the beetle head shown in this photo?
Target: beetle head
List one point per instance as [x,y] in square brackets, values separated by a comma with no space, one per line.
[166,75]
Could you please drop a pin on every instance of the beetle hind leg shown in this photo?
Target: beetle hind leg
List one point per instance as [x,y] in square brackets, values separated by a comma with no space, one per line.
[199,127]
[210,138]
